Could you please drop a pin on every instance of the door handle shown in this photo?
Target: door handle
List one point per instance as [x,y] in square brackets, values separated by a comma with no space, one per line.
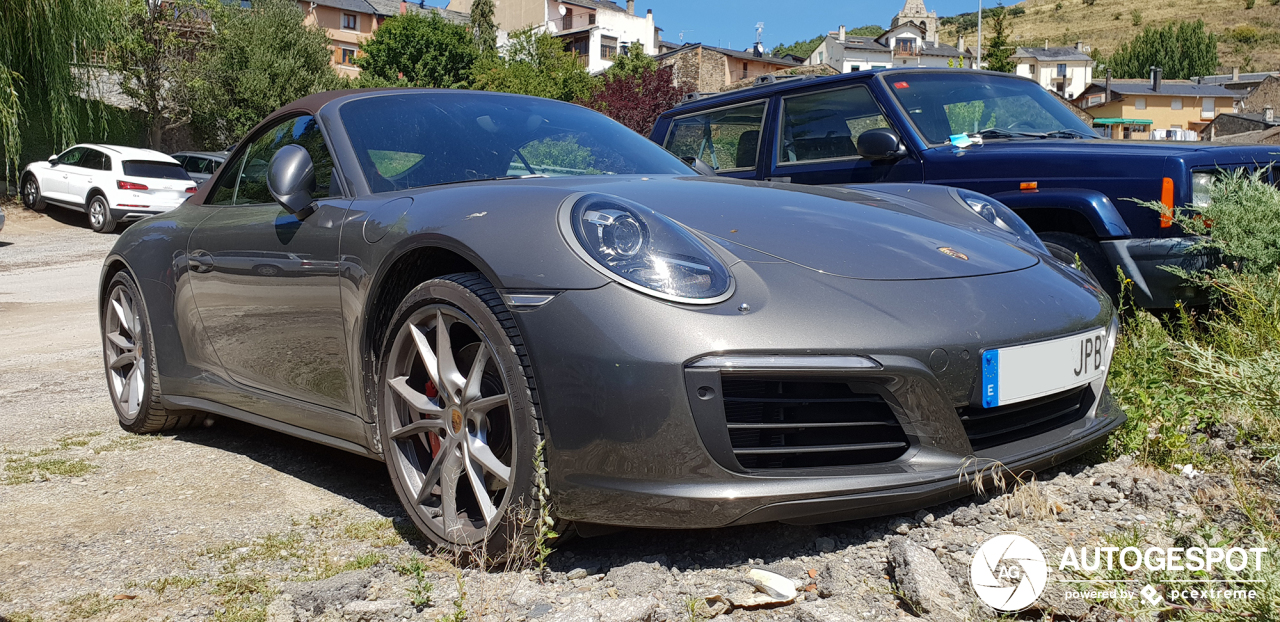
[200,261]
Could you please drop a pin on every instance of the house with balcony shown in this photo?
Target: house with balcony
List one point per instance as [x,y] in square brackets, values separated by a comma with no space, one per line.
[907,44]
[594,30]
[348,23]
[1066,71]
[1155,109]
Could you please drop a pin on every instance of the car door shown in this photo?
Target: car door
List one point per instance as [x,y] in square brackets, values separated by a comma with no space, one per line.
[53,183]
[818,140]
[727,138]
[82,175]
[197,167]
[272,326]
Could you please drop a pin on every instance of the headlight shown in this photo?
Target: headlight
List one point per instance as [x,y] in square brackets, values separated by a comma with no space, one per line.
[1000,215]
[1200,183]
[645,250]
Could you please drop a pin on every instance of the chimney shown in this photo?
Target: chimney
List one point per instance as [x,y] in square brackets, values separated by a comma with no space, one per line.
[404,7]
[1079,46]
[1268,114]
[631,7]
[1107,96]
[960,44]
[1046,44]
[841,33]
[649,15]
[1155,78]
[1235,74]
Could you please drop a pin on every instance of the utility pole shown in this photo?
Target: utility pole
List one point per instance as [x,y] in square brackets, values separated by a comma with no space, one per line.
[978,63]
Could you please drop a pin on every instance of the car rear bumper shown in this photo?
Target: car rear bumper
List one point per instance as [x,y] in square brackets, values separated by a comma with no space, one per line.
[128,214]
[1144,260]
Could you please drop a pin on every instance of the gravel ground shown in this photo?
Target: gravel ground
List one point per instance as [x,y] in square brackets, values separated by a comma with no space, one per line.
[232,522]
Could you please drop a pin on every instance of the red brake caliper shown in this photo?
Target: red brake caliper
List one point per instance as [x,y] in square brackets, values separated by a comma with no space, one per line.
[432,438]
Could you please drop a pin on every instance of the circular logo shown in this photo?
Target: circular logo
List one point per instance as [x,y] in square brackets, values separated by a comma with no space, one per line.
[951,252]
[457,421]
[1008,572]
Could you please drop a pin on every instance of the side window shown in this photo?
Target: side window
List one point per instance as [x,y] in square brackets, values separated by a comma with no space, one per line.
[92,159]
[71,157]
[826,126]
[244,181]
[193,164]
[725,139]
[106,162]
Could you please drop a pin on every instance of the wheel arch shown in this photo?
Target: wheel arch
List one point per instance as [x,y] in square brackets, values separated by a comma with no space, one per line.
[113,265]
[1087,213]
[411,263]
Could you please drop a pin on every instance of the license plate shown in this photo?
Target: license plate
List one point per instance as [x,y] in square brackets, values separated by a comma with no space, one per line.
[1020,373]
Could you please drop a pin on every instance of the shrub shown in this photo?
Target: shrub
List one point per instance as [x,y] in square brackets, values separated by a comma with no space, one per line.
[1137,17]
[1244,34]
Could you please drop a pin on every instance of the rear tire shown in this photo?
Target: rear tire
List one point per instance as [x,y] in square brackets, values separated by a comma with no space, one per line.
[465,431]
[31,197]
[1065,247]
[100,214]
[129,355]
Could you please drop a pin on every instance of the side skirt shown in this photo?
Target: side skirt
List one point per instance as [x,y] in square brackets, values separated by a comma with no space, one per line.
[179,402]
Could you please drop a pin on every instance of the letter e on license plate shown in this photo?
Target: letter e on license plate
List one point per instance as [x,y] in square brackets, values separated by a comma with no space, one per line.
[1020,373]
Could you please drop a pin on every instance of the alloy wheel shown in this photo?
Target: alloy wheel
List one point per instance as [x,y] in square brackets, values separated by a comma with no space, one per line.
[448,418]
[30,192]
[97,212]
[126,360]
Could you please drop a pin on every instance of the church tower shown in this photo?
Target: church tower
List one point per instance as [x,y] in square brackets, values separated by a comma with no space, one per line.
[915,12]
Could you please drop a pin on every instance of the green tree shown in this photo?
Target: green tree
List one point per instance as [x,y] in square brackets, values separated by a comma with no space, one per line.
[258,60]
[483,26]
[800,48]
[1182,50]
[998,52]
[41,42]
[427,50]
[153,56]
[534,63]
[633,63]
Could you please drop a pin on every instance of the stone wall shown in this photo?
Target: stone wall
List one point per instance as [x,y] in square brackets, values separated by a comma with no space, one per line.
[1266,94]
[1227,124]
[704,69]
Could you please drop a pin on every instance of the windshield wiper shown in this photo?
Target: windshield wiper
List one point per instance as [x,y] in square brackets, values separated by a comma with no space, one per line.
[999,132]
[467,181]
[1066,133]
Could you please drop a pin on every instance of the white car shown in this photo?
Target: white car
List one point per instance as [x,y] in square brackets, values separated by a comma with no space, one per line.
[111,184]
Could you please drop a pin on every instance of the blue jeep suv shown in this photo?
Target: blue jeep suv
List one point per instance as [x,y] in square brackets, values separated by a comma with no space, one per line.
[993,133]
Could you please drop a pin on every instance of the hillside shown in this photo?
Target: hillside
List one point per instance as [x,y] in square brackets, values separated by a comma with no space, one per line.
[1250,38]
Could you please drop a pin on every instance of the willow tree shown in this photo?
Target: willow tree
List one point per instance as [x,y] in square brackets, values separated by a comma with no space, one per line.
[41,43]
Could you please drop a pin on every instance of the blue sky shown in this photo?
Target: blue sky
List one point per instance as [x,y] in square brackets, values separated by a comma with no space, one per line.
[732,22]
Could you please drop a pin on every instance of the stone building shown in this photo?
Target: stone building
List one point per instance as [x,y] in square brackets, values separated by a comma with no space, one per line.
[710,69]
[914,12]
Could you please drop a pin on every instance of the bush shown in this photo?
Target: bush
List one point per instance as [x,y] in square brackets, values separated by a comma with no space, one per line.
[1244,34]
[1137,17]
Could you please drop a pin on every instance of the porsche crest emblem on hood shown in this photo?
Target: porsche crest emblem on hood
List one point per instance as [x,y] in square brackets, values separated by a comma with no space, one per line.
[951,252]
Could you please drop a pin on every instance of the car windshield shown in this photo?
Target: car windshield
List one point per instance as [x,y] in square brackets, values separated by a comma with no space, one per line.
[154,170]
[411,140]
[943,104]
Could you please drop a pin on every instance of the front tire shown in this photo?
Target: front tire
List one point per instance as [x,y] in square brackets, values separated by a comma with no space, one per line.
[100,215]
[129,355]
[31,197]
[458,416]
[1065,247]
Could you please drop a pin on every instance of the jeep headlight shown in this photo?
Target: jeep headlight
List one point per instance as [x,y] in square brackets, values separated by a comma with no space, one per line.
[1000,215]
[645,250]
[1200,185]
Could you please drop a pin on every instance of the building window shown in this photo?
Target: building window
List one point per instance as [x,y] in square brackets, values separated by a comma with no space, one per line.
[348,56]
[350,22]
[1206,109]
[1175,103]
[1062,70]
[591,19]
[820,61]
[1094,100]
[1033,71]
[608,47]
[855,68]
[1175,127]
[1140,103]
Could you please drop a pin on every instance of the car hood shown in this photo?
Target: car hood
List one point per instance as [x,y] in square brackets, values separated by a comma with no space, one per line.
[1069,147]
[842,232]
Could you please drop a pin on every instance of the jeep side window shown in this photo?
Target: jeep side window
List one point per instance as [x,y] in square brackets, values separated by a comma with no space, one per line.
[826,125]
[726,139]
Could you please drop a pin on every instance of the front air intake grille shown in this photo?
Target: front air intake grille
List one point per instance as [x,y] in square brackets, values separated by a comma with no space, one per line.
[988,427]
[778,424]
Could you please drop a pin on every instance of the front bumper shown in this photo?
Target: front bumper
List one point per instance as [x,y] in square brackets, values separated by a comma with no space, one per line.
[1143,260]
[628,442]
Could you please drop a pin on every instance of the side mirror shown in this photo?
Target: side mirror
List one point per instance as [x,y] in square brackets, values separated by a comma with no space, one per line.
[698,165]
[881,144]
[53,160]
[291,178]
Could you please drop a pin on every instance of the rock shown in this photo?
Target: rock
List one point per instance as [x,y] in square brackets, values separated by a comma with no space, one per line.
[824,611]
[577,612]
[638,578]
[825,545]
[316,596]
[539,610]
[370,611]
[577,573]
[965,516]
[775,585]
[925,582]
[626,609]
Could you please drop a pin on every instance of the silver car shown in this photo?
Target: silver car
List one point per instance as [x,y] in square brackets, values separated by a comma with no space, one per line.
[200,165]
